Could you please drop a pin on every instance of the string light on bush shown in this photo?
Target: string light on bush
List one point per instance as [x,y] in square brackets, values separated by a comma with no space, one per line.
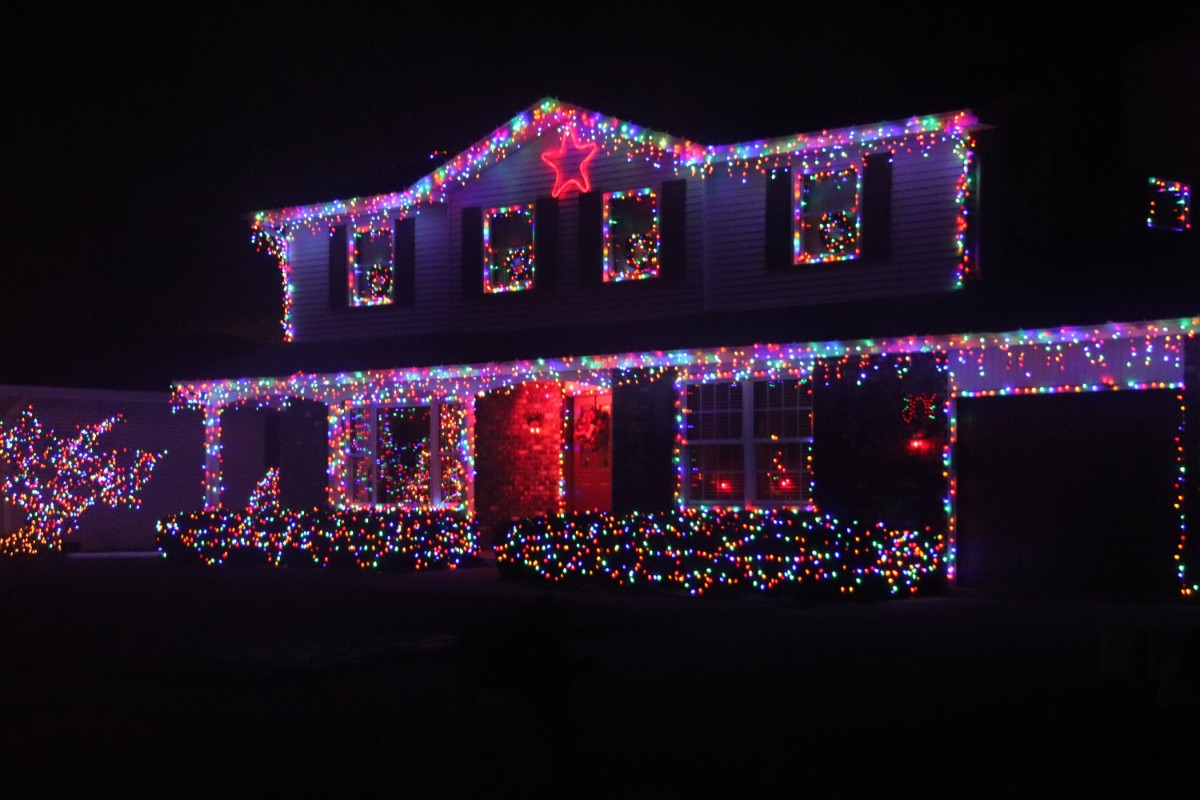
[377,539]
[703,550]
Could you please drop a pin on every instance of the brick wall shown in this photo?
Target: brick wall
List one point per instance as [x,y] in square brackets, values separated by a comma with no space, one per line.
[517,469]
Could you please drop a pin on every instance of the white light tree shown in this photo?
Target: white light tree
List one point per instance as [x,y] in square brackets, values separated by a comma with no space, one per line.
[54,479]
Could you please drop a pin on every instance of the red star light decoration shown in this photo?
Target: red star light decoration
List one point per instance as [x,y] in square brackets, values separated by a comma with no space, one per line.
[570,164]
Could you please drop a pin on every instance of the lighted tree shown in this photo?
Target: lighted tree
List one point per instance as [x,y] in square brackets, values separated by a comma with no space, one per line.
[54,479]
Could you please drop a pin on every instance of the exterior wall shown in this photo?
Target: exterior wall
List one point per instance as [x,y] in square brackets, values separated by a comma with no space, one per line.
[243,454]
[865,467]
[149,424]
[922,256]
[440,304]
[724,240]
[518,472]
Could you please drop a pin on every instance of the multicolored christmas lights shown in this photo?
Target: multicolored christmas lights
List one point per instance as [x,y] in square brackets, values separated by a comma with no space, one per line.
[372,273]
[268,534]
[509,238]
[703,550]
[631,235]
[1170,205]
[54,479]
[1110,357]
[826,225]
[574,130]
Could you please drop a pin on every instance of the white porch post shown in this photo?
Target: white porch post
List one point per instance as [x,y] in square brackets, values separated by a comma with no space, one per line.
[212,457]
[336,469]
[470,423]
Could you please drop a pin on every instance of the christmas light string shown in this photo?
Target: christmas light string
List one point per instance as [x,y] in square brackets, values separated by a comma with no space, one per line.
[274,231]
[702,550]
[1170,206]
[54,479]
[1111,357]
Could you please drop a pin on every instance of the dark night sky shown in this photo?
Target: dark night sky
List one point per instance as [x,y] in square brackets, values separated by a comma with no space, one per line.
[137,143]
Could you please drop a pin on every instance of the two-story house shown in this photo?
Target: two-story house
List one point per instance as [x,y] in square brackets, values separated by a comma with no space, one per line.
[577,313]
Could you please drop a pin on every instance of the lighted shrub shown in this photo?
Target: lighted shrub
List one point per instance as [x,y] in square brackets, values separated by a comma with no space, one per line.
[388,539]
[701,550]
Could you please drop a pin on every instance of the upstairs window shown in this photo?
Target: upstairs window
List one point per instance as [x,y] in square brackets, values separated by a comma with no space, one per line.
[1169,205]
[631,235]
[372,270]
[826,225]
[748,443]
[508,249]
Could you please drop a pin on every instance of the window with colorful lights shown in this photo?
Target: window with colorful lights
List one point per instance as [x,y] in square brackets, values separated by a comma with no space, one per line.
[508,249]
[748,443]
[631,235]
[826,225]
[372,275]
[411,457]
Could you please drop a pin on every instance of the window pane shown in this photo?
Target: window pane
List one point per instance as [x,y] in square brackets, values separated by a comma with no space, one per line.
[782,410]
[714,411]
[403,456]
[451,446]
[508,249]
[715,473]
[373,269]
[631,238]
[362,480]
[357,422]
[782,472]
[1169,205]
[827,227]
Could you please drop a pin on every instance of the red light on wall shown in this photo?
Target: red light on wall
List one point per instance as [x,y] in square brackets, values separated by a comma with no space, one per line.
[724,486]
[920,446]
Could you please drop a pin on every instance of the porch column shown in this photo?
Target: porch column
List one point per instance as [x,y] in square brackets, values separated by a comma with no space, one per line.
[212,457]
[337,455]
[470,423]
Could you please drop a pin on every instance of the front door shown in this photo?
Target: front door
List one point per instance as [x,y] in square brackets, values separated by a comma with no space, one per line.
[591,453]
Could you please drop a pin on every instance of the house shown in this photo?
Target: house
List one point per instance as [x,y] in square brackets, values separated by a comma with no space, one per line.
[578,313]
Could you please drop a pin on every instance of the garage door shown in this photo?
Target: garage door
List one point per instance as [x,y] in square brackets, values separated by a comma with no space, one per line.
[1068,493]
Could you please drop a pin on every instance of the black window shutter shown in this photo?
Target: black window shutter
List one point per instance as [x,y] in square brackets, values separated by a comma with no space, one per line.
[778,246]
[591,238]
[404,240]
[472,251]
[338,264]
[876,206]
[545,243]
[672,255]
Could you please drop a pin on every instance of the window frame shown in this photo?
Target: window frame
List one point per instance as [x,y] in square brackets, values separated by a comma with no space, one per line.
[611,275]
[800,256]
[354,298]
[1164,193]
[747,441]
[490,287]
[442,460]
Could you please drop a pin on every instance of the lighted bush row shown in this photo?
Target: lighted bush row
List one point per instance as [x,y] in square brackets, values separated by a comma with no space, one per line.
[698,550]
[391,539]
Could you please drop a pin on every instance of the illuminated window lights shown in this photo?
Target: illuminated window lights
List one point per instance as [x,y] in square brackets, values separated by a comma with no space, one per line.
[826,223]
[509,238]
[631,235]
[1169,206]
